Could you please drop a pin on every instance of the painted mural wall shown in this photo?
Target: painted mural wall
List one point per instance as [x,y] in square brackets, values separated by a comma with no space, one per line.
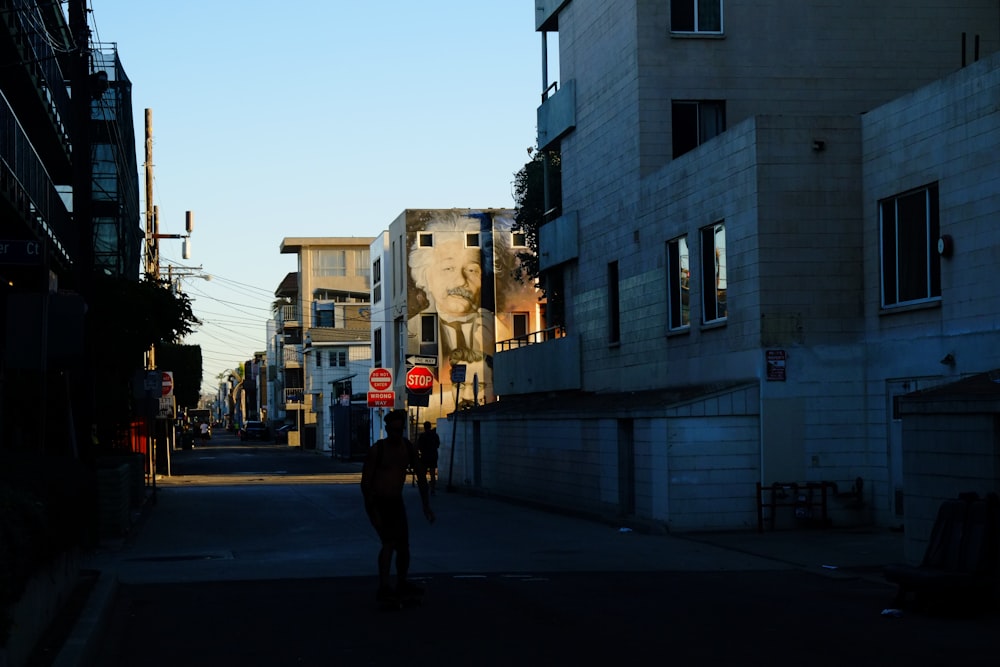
[463,297]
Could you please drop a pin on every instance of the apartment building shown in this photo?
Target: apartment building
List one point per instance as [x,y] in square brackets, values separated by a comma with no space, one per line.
[69,207]
[445,293]
[758,249]
[321,343]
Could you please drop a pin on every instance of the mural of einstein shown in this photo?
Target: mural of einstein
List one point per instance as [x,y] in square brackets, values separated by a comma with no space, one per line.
[461,287]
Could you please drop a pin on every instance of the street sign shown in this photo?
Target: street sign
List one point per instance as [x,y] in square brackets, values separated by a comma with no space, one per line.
[379,379]
[421,360]
[20,251]
[167,408]
[458,373]
[381,399]
[167,383]
[420,380]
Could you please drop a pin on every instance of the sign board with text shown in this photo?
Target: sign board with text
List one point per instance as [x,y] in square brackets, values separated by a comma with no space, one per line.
[379,379]
[381,399]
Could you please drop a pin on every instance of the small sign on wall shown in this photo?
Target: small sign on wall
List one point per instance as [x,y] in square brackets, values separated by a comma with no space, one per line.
[776,365]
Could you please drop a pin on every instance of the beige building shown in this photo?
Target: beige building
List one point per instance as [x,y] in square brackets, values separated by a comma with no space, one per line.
[321,339]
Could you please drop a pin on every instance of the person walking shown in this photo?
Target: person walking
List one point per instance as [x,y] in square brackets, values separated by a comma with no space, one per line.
[427,447]
[383,477]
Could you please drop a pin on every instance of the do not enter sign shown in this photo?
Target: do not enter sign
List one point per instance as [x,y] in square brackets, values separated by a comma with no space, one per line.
[380,379]
[420,380]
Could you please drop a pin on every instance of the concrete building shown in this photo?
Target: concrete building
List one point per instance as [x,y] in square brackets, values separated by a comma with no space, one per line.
[445,293]
[774,221]
[69,210]
[322,336]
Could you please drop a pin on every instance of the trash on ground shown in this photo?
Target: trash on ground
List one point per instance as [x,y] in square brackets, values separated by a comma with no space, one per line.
[624,529]
[895,613]
[831,567]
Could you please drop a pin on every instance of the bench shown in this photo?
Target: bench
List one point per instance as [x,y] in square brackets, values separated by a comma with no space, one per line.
[962,558]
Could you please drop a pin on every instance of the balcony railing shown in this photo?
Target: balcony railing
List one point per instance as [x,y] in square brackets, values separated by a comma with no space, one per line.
[295,395]
[289,313]
[28,184]
[530,339]
[292,356]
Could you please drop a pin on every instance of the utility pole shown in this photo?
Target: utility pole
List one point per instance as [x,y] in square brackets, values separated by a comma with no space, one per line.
[152,249]
[82,400]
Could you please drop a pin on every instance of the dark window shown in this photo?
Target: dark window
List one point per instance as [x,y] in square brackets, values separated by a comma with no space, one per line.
[614,315]
[911,267]
[520,322]
[695,122]
[696,16]
[377,348]
[428,328]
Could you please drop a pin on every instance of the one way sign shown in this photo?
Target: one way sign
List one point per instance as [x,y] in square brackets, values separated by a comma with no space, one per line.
[418,360]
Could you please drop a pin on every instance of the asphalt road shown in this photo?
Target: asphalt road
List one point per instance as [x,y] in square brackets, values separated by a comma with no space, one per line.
[245,562]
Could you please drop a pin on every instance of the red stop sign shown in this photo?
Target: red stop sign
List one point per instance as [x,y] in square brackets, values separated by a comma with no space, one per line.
[420,380]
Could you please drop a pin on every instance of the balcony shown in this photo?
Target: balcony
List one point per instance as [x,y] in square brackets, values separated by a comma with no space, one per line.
[295,398]
[559,241]
[557,115]
[25,183]
[292,356]
[542,361]
[289,314]
[547,14]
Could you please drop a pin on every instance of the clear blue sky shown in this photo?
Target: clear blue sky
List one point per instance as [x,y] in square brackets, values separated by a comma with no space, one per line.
[316,118]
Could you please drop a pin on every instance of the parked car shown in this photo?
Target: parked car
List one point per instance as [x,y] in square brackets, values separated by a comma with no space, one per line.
[254,431]
[281,433]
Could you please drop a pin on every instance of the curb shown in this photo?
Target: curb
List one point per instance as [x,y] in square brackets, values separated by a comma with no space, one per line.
[81,646]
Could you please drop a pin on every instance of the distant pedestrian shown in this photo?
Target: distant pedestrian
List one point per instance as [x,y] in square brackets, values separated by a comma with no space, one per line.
[427,447]
[383,478]
[205,435]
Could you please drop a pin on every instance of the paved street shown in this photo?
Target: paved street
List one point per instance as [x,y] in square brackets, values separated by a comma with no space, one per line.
[267,567]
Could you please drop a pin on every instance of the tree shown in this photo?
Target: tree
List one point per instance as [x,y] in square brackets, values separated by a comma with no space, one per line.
[124,319]
[530,208]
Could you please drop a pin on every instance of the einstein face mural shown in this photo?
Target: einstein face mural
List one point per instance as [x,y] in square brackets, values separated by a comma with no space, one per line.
[460,277]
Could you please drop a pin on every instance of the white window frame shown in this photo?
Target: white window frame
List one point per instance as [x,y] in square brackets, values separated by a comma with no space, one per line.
[695,7]
[714,280]
[678,284]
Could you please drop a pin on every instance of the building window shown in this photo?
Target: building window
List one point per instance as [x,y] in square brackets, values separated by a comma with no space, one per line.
[614,315]
[713,272]
[695,122]
[520,324]
[325,317]
[428,328]
[696,16]
[319,358]
[911,269]
[377,348]
[518,240]
[377,271]
[678,284]
[362,265]
[329,263]
[425,239]
[338,358]
[472,240]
